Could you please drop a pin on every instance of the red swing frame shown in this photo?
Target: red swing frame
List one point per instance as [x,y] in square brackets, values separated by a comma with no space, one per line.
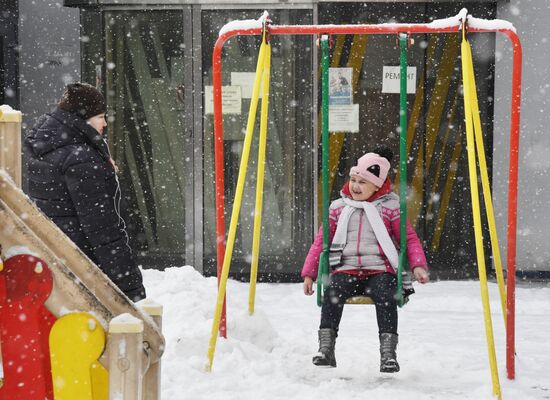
[381,29]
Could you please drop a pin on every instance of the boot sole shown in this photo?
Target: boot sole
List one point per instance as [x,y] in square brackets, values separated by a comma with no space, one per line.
[322,363]
[390,370]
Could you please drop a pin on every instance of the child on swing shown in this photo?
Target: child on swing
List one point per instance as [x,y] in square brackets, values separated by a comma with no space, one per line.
[364,232]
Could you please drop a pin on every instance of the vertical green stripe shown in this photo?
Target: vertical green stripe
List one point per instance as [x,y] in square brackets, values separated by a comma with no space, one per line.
[403,42]
[323,262]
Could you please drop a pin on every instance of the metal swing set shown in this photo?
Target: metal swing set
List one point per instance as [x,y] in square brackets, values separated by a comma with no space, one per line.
[462,23]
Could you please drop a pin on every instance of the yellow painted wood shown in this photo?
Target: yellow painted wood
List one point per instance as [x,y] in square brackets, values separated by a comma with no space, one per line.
[100,381]
[76,342]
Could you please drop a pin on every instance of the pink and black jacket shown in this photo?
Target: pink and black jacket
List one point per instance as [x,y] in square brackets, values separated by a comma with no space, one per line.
[362,255]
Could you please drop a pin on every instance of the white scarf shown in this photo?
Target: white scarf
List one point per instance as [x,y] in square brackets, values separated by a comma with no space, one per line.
[380,231]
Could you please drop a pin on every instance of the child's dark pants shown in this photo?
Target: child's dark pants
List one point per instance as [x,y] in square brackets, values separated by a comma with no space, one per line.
[380,287]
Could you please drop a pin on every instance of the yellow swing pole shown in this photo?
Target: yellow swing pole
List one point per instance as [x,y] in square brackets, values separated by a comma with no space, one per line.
[466,61]
[260,177]
[236,204]
[487,190]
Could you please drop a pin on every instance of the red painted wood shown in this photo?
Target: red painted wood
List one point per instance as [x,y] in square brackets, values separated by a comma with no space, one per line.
[25,324]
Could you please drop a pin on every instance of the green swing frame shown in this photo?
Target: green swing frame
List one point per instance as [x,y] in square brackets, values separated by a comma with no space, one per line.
[323,271]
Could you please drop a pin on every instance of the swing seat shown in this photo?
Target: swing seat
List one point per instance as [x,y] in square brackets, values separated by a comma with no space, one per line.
[359,300]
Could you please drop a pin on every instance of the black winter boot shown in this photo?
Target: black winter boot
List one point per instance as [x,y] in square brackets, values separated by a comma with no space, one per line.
[388,357]
[327,340]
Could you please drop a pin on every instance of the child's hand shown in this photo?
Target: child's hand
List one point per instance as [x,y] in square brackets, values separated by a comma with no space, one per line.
[421,275]
[308,286]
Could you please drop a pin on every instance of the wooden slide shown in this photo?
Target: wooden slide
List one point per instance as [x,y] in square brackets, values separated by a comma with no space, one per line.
[78,284]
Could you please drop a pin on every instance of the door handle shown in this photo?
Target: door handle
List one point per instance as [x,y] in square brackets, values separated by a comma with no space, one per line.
[180,93]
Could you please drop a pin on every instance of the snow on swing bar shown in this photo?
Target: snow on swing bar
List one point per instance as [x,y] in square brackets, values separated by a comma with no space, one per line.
[446,25]
[451,24]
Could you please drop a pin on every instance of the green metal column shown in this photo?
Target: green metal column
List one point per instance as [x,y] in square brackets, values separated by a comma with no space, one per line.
[403,42]
[322,274]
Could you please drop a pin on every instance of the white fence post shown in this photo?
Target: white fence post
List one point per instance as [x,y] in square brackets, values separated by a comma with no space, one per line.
[125,349]
[10,142]
[152,378]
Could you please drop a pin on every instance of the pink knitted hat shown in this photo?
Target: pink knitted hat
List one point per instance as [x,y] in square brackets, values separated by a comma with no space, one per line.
[372,167]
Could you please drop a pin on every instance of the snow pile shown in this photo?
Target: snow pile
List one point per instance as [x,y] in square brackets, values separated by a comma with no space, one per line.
[490,24]
[246,24]
[442,350]
[477,23]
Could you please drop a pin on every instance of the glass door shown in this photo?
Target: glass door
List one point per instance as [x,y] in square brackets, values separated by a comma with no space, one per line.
[8,57]
[287,220]
[148,76]
[438,203]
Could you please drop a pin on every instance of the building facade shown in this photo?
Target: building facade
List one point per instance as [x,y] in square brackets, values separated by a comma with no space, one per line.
[154,63]
[8,53]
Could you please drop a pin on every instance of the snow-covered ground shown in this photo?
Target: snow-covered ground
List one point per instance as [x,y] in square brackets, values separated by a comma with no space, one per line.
[442,349]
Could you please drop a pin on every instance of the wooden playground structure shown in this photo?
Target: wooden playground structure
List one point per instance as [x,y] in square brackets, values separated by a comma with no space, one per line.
[66,331]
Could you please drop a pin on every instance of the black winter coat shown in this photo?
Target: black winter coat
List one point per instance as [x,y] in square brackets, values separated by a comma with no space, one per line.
[73,182]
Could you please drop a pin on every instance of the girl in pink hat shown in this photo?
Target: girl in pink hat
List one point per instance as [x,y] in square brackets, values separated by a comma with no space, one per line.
[364,232]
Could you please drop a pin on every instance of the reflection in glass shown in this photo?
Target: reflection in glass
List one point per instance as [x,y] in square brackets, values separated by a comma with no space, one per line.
[145,70]
[438,201]
[288,194]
